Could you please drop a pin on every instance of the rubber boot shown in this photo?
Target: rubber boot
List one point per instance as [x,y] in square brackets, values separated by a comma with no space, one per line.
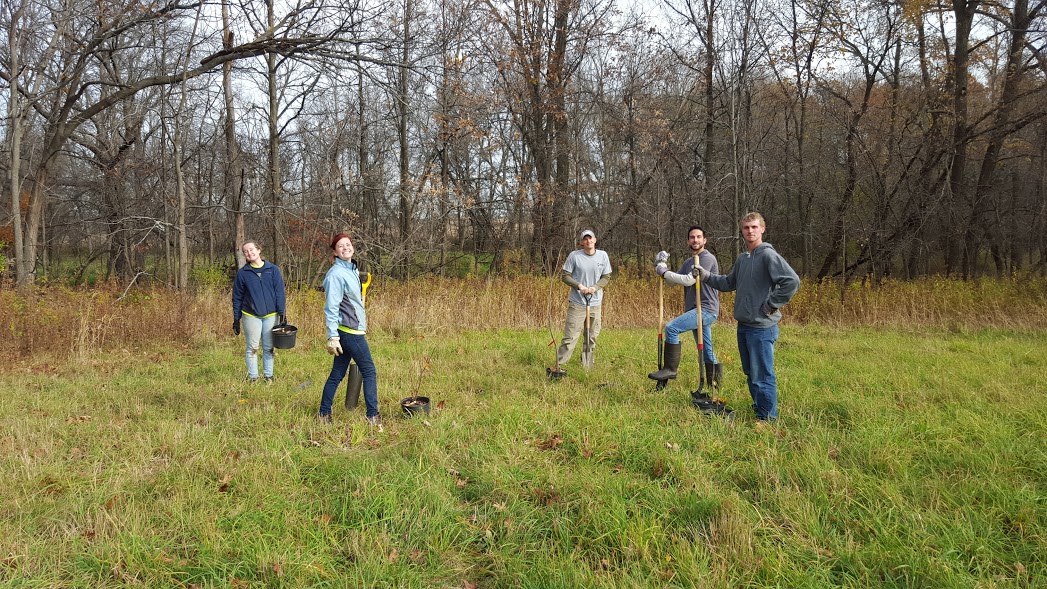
[672,363]
[719,376]
[353,384]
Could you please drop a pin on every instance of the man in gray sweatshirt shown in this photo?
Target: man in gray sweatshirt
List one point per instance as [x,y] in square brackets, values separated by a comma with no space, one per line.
[764,282]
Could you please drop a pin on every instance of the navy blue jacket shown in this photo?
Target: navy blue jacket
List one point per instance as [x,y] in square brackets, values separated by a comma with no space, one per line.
[258,291]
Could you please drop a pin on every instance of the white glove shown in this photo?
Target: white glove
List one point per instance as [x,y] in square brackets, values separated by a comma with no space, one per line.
[661,257]
[698,272]
[661,268]
[334,346]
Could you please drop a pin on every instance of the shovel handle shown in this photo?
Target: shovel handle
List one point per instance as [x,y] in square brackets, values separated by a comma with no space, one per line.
[698,308]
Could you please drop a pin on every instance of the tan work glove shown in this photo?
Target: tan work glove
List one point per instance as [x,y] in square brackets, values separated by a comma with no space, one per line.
[334,346]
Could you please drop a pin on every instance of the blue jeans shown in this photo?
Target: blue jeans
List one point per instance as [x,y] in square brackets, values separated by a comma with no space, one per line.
[689,322]
[354,347]
[258,331]
[756,350]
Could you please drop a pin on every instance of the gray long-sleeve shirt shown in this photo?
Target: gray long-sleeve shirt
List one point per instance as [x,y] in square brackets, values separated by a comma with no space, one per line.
[710,296]
[760,276]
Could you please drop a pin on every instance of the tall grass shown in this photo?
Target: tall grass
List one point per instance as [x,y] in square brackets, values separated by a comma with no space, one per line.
[902,458]
[63,322]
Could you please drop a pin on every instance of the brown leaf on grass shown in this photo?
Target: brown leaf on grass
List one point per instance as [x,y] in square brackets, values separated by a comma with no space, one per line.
[112,501]
[546,497]
[278,570]
[392,556]
[417,556]
[468,585]
[658,469]
[324,518]
[440,405]
[460,483]
[51,486]
[236,583]
[223,485]
[78,419]
[551,443]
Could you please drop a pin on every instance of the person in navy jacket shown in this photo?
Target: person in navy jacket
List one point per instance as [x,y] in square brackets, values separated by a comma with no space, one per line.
[259,304]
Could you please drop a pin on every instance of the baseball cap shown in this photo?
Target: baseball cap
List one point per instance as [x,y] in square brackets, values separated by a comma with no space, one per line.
[586,233]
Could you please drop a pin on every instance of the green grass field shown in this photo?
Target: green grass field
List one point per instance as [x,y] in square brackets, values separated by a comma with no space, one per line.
[902,458]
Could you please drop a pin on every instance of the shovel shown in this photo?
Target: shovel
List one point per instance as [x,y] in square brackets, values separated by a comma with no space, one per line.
[587,350]
[700,340]
[353,384]
[661,327]
[356,380]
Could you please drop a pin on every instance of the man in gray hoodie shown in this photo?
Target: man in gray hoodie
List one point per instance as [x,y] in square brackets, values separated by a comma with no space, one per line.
[764,282]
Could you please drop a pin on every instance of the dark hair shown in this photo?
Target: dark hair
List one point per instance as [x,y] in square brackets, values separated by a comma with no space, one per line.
[693,227]
[340,237]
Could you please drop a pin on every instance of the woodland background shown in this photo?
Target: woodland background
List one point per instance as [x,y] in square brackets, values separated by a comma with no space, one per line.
[143,141]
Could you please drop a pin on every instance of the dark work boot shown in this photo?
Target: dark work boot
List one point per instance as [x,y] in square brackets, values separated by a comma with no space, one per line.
[719,376]
[672,364]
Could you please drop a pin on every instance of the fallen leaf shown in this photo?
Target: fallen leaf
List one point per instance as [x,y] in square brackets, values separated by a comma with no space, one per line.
[468,585]
[551,443]
[393,555]
[223,485]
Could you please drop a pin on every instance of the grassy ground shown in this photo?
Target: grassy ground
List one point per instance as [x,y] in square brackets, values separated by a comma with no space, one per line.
[902,458]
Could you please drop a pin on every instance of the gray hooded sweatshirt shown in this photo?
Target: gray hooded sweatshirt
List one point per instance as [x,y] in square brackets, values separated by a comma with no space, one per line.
[760,276]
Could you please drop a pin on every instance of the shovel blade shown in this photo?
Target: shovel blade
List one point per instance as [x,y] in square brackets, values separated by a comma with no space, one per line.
[353,384]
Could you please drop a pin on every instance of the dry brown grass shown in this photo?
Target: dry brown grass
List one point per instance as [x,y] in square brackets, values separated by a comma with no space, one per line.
[61,322]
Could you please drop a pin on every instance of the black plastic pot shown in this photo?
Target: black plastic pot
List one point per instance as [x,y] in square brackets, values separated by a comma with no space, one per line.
[414,405]
[284,336]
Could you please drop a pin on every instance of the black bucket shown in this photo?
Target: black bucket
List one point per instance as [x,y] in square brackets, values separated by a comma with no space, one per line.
[415,405]
[284,336]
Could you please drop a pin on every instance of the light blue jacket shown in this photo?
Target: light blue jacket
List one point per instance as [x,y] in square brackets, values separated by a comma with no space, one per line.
[345,303]
[760,276]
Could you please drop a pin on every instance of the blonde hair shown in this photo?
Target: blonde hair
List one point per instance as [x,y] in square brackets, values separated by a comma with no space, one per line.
[753,216]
